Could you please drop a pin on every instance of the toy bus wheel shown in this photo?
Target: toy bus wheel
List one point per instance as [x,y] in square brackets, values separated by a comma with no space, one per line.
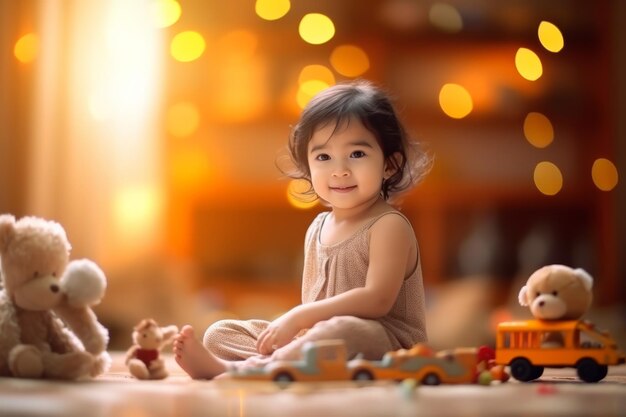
[363,375]
[590,371]
[283,378]
[431,379]
[523,370]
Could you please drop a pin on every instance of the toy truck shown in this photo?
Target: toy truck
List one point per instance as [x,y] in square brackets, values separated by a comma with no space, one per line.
[521,345]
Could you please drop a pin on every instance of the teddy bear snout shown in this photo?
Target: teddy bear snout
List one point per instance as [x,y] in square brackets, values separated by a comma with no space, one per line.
[548,307]
[39,294]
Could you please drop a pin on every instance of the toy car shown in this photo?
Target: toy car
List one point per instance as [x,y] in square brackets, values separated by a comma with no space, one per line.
[322,361]
[454,366]
[520,344]
[326,361]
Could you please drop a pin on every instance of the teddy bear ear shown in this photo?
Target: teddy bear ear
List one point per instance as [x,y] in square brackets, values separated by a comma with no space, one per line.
[585,278]
[7,230]
[521,297]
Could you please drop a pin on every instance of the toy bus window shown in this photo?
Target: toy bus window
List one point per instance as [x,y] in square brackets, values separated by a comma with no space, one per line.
[552,339]
[588,342]
[521,340]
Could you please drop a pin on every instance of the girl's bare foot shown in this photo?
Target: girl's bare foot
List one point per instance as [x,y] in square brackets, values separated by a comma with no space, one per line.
[193,357]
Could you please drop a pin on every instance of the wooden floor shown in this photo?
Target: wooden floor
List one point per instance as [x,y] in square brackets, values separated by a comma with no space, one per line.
[116,394]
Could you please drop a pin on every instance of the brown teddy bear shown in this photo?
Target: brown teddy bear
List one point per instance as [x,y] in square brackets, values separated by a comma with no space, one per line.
[557,292]
[48,329]
[142,358]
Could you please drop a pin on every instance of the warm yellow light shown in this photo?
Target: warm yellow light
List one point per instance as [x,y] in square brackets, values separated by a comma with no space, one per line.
[26,48]
[183,119]
[455,101]
[316,28]
[187,46]
[296,196]
[528,64]
[316,72]
[307,90]
[272,9]
[136,210]
[165,12]
[445,17]
[550,36]
[604,174]
[548,178]
[349,60]
[538,130]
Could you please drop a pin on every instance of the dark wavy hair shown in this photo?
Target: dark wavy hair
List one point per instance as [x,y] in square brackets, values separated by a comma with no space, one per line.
[362,100]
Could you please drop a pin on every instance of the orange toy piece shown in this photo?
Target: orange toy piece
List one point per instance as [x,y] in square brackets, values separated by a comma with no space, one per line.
[519,344]
[142,358]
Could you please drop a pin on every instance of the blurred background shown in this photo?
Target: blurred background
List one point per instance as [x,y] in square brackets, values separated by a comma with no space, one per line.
[150,129]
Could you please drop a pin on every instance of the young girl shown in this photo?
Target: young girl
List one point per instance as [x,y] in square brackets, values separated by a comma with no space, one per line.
[362,279]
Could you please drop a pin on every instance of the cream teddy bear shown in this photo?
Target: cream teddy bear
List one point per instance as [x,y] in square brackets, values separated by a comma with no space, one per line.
[557,292]
[47,328]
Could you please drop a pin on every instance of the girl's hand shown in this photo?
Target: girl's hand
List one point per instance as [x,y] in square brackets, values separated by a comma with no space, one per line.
[279,333]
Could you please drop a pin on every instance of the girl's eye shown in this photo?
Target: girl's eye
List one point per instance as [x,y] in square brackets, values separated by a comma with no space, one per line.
[357,154]
[322,157]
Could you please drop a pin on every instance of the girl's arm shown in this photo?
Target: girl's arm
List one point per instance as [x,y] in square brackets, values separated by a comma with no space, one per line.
[392,251]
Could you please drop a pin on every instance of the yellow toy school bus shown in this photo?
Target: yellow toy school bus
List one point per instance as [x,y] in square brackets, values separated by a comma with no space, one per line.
[522,346]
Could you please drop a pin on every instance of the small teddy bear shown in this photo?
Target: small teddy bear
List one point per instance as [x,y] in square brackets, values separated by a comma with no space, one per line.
[48,329]
[557,292]
[142,358]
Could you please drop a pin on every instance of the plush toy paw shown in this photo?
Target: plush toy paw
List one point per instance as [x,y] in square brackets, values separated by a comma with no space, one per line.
[25,362]
[83,283]
[72,365]
[138,369]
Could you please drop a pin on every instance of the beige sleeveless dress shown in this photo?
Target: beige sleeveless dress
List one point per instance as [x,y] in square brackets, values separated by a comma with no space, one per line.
[330,270]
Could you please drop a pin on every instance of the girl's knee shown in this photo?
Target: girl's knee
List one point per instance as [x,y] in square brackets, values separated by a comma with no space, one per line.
[216,331]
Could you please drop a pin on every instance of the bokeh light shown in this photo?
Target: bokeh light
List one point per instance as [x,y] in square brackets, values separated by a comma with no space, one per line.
[445,17]
[548,178]
[455,101]
[528,64]
[165,12]
[187,46]
[296,196]
[307,90]
[316,28]
[349,60]
[272,9]
[538,130]
[27,48]
[604,174]
[550,36]
[316,72]
[183,119]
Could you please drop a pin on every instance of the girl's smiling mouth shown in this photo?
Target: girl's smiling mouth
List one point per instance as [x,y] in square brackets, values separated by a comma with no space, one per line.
[343,189]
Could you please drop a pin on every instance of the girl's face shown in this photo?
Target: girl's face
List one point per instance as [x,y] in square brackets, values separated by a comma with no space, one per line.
[347,167]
